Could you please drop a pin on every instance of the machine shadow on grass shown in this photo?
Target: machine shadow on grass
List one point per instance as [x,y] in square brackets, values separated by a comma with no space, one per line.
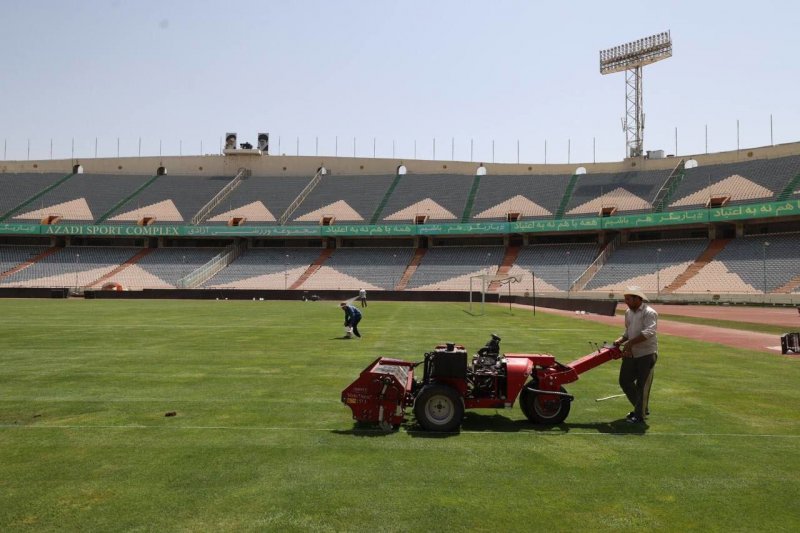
[615,427]
[497,423]
[411,428]
[363,430]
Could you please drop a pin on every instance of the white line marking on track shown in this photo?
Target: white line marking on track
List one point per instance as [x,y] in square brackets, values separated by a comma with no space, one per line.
[532,432]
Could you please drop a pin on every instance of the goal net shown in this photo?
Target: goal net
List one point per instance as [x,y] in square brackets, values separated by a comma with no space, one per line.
[484,284]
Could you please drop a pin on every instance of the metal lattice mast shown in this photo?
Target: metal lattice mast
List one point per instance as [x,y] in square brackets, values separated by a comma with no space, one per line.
[631,57]
[633,124]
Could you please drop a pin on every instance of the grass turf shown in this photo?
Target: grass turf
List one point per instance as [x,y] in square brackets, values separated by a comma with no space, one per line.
[261,442]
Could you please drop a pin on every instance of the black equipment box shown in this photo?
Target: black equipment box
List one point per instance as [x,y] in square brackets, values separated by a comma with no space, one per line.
[790,342]
[448,361]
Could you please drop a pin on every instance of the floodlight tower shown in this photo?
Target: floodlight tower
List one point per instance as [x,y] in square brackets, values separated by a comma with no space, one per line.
[631,57]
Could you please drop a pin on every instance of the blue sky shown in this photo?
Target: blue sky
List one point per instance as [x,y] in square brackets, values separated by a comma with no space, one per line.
[180,73]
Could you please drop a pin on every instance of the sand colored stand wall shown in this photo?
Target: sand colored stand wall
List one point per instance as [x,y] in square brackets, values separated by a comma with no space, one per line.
[270,165]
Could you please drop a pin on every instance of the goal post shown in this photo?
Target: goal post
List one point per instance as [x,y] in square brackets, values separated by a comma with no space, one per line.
[482,282]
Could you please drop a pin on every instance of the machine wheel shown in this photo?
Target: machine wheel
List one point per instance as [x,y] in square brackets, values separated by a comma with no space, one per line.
[439,408]
[538,411]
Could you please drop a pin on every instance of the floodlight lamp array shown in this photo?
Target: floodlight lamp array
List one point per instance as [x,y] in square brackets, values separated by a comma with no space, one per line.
[636,53]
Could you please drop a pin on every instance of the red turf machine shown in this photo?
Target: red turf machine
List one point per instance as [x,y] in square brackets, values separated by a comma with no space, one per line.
[384,389]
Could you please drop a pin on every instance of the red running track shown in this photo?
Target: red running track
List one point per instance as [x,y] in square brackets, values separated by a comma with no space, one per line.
[749,340]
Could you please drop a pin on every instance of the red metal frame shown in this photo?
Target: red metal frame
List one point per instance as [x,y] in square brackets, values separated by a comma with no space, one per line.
[385,387]
[381,392]
[557,374]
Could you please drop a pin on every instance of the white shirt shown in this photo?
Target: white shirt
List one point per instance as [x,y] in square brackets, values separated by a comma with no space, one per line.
[643,321]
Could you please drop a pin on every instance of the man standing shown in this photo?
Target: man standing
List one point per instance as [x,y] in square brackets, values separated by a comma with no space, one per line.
[362,295]
[352,316]
[639,353]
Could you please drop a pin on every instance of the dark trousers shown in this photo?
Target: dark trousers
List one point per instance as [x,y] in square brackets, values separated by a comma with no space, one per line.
[354,324]
[363,302]
[635,379]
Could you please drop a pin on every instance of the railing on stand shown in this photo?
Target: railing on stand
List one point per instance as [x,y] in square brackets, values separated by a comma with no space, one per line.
[300,197]
[596,265]
[217,263]
[204,211]
[668,187]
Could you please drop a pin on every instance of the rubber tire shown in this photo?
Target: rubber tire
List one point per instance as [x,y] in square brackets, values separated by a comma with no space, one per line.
[540,414]
[439,408]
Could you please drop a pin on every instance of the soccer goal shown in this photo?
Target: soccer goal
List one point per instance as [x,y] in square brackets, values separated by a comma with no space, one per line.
[482,283]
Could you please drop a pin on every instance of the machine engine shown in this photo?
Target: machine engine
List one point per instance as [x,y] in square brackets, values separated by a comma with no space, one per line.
[486,378]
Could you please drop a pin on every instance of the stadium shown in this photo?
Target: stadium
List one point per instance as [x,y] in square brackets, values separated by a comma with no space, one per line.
[697,228]
[173,359]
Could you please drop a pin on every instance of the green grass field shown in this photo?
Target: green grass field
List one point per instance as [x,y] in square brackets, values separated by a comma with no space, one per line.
[261,441]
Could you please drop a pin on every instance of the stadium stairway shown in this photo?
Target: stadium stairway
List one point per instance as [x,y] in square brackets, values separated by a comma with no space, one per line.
[125,200]
[309,188]
[313,267]
[508,261]
[789,287]
[714,247]
[141,254]
[567,195]
[377,214]
[476,183]
[204,212]
[35,197]
[419,253]
[788,191]
[600,261]
[664,195]
[26,264]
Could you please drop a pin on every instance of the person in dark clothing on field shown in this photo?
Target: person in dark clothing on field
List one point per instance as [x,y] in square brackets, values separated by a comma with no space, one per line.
[352,316]
[639,353]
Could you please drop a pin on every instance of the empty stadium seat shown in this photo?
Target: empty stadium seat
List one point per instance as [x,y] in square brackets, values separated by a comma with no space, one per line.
[651,265]
[450,268]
